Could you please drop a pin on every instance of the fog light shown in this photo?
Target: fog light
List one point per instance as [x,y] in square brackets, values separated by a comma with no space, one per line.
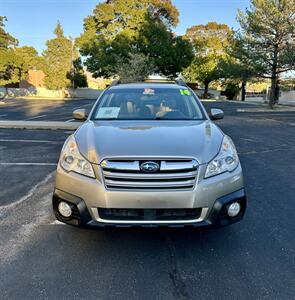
[234,209]
[64,209]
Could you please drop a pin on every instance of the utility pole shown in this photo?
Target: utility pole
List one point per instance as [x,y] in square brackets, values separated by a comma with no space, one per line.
[72,62]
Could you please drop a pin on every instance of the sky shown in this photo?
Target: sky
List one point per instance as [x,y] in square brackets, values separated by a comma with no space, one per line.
[32,21]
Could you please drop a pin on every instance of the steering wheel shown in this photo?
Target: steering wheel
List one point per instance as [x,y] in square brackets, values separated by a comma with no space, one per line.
[175,114]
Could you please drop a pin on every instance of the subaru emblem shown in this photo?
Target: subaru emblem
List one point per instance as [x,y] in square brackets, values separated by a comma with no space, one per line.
[149,166]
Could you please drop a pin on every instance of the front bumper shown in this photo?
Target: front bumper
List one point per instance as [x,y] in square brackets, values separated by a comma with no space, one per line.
[217,216]
[209,196]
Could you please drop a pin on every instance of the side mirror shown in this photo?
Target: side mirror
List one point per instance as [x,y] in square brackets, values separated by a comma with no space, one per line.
[80,114]
[216,114]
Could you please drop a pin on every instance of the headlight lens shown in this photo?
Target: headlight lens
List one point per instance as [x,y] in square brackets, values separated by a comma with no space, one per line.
[226,160]
[72,160]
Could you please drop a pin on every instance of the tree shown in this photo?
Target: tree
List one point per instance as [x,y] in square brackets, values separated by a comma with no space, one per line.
[7,68]
[267,40]
[77,76]
[58,60]
[125,17]
[170,54]
[16,62]
[209,43]
[61,61]
[233,68]
[203,69]
[6,40]
[136,68]
[118,29]
[25,59]
[231,89]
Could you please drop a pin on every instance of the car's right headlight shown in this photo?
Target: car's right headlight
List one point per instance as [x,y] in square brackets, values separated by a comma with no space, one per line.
[72,160]
[226,160]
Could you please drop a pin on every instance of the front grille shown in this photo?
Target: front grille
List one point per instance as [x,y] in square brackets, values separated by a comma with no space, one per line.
[127,175]
[149,214]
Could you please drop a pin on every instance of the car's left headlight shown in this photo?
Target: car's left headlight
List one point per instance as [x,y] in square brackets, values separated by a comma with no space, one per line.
[72,160]
[226,160]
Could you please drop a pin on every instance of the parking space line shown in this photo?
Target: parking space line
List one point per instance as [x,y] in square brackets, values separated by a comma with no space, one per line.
[29,194]
[26,164]
[56,222]
[83,105]
[33,118]
[35,124]
[31,141]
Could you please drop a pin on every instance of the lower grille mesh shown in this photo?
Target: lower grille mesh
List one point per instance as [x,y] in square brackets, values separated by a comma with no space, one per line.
[149,214]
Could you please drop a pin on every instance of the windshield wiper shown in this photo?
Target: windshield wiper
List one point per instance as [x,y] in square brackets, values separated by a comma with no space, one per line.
[172,119]
[106,119]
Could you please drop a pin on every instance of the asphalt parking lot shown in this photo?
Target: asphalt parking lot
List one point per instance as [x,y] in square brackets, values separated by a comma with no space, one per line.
[253,259]
[41,110]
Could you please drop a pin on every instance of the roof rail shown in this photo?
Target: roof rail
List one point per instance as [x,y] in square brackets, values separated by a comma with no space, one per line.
[115,82]
[180,81]
[158,80]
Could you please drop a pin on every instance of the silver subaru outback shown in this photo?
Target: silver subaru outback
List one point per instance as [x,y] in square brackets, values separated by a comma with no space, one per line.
[149,155]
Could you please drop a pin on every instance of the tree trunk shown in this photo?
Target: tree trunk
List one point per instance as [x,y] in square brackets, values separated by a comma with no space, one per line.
[19,76]
[277,91]
[243,88]
[272,92]
[206,83]
[274,78]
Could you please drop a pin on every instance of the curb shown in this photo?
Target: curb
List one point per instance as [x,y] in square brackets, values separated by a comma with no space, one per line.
[40,125]
[47,98]
[246,102]
[266,110]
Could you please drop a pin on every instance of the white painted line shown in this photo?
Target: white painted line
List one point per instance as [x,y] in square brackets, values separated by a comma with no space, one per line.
[33,118]
[83,105]
[3,115]
[40,125]
[26,164]
[31,141]
[56,222]
[266,110]
[247,140]
[29,194]
[70,120]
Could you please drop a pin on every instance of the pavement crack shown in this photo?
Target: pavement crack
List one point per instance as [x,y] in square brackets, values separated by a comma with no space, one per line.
[20,220]
[179,286]
[266,151]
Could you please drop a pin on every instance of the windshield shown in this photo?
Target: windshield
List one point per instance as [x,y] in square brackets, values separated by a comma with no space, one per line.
[148,104]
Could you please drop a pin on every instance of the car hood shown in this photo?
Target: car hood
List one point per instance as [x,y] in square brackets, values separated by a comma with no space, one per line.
[149,139]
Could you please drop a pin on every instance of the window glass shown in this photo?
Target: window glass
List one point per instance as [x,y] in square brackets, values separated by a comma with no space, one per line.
[148,104]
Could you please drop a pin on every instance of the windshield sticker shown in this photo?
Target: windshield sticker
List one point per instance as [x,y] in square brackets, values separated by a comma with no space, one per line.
[185,92]
[108,113]
[148,92]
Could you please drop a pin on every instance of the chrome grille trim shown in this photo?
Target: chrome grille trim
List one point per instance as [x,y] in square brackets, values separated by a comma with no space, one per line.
[120,165]
[127,175]
[149,175]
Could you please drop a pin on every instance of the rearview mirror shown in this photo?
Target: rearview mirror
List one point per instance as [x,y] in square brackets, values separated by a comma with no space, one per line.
[80,114]
[216,114]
